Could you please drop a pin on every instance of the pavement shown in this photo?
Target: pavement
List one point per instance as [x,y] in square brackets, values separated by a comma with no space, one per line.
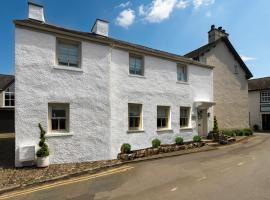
[239,171]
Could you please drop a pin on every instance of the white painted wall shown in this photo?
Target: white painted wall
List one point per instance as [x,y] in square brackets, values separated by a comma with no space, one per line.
[98,97]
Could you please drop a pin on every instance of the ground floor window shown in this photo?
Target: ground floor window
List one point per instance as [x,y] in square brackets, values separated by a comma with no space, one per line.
[184,116]
[58,117]
[163,117]
[134,116]
[9,99]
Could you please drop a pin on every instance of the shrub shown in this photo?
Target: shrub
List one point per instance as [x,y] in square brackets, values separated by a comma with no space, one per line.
[230,133]
[197,138]
[215,128]
[256,127]
[238,132]
[247,132]
[44,149]
[179,141]
[125,148]
[156,143]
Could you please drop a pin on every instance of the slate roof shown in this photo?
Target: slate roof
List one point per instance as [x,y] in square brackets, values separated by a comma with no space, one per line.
[197,52]
[34,24]
[5,81]
[259,84]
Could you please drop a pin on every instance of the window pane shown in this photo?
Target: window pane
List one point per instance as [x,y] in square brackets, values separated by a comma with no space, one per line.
[68,54]
[134,110]
[181,72]
[62,124]
[162,112]
[7,102]
[58,113]
[135,65]
[54,124]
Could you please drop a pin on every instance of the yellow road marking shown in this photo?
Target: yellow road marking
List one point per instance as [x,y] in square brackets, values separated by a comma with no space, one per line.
[66,182]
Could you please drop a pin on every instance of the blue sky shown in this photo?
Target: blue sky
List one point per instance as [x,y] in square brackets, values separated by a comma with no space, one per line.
[176,26]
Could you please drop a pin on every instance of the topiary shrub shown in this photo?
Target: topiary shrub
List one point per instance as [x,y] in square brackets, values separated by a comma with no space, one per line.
[44,149]
[179,140]
[156,143]
[215,128]
[256,127]
[125,148]
[247,132]
[197,138]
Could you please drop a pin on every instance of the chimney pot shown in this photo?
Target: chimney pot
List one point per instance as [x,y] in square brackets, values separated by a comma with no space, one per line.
[213,27]
[101,27]
[220,28]
[35,11]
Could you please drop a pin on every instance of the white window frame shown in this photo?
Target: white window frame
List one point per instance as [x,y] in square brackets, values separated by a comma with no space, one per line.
[265,96]
[168,118]
[187,118]
[68,42]
[183,78]
[59,106]
[140,116]
[10,100]
[136,56]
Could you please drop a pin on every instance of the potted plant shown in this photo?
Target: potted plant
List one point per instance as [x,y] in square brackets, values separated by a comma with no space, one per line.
[43,152]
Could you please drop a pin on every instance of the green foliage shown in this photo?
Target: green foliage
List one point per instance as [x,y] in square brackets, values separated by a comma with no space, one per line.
[238,132]
[215,128]
[247,132]
[179,140]
[44,149]
[156,143]
[256,127]
[125,148]
[230,133]
[197,138]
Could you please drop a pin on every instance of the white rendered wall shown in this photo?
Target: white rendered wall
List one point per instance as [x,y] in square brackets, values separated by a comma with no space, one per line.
[158,87]
[87,92]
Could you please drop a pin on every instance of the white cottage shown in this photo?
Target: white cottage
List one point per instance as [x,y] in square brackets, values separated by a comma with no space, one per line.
[93,93]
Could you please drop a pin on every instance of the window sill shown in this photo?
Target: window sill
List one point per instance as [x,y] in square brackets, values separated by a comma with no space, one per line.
[135,131]
[58,134]
[186,128]
[182,82]
[164,130]
[76,69]
[136,75]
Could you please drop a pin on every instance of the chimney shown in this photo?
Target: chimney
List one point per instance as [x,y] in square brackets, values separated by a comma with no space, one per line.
[101,27]
[35,11]
[216,33]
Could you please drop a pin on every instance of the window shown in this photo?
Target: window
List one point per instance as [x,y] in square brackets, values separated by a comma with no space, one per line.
[134,116]
[68,53]
[184,116]
[181,72]
[58,117]
[136,64]
[163,117]
[9,98]
[265,96]
[236,69]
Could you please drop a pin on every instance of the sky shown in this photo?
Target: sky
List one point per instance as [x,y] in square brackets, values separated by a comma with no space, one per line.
[176,26]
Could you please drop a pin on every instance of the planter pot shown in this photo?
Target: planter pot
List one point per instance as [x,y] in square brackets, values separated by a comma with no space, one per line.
[43,161]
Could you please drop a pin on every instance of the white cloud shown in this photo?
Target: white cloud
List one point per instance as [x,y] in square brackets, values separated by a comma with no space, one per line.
[159,10]
[182,4]
[198,3]
[124,5]
[126,18]
[247,58]
[141,10]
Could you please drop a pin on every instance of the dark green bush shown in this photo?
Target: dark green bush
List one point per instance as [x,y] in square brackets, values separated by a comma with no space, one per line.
[230,133]
[44,149]
[125,148]
[179,141]
[247,132]
[197,138]
[256,127]
[215,128]
[156,143]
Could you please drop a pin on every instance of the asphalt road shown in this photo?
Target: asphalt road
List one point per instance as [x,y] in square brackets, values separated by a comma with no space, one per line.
[240,171]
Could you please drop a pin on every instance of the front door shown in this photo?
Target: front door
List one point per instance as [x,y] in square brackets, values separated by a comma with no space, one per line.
[202,122]
[266,121]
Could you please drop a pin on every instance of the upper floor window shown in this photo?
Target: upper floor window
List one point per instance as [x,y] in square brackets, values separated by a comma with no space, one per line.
[58,117]
[163,117]
[236,69]
[68,53]
[9,98]
[136,64]
[134,116]
[265,96]
[184,116]
[181,72]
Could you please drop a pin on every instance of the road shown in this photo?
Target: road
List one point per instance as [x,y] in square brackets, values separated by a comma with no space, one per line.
[240,171]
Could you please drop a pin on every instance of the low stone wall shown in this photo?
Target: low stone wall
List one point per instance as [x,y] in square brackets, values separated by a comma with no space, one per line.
[153,151]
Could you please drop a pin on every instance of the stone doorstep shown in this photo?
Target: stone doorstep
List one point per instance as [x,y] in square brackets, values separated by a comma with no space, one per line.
[95,170]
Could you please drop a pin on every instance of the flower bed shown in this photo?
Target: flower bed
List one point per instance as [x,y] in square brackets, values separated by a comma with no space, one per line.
[135,154]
